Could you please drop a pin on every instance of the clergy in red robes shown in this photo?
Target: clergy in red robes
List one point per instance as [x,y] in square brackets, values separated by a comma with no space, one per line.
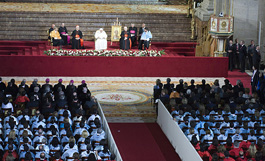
[125,41]
[77,41]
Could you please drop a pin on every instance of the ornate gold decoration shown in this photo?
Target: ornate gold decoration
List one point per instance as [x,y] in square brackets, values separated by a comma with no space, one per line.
[223,24]
[193,25]
[213,24]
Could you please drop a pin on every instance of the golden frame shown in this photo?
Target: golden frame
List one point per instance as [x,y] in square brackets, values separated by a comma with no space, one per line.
[115,33]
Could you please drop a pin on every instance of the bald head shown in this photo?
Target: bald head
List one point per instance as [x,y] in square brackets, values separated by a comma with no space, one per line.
[125,28]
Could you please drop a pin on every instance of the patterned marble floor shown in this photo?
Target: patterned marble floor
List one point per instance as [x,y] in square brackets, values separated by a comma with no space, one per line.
[92,8]
[123,99]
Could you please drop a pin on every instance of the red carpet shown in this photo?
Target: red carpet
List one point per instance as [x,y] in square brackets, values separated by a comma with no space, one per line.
[96,66]
[25,58]
[236,75]
[142,142]
[35,48]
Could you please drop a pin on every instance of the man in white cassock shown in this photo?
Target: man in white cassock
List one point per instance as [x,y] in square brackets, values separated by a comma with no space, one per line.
[101,39]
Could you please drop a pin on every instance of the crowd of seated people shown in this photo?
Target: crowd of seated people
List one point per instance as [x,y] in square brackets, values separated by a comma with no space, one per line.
[221,122]
[46,122]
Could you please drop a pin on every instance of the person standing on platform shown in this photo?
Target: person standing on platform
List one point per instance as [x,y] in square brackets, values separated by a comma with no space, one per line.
[229,50]
[145,38]
[125,41]
[256,57]
[236,54]
[64,34]
[57,40]
[251,49]
[101,40]
[242,55]
[133,34]
[254,79]
[141,31]
[77,41]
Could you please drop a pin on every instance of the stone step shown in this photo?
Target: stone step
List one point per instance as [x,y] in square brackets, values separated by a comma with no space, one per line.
[109,21]
[34,26]
[92,15]
[89,34]
[152,2]
[86,25]
[92,29]
[86,38]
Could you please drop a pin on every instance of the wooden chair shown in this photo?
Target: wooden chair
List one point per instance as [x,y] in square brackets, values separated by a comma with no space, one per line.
[225,115]
[54,151]
[84,158]
[33,111]
[69,158]
[105,158]
[21,143]
[6,111]
[222,141]
[253,141]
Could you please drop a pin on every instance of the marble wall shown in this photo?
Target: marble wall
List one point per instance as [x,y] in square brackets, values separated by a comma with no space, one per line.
[262,19]
[246,20]
[247,15]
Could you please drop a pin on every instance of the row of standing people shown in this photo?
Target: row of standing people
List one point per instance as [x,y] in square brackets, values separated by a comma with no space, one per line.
[239,55]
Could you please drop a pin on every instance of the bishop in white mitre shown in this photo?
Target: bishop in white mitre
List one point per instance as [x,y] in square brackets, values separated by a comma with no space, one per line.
[101,39]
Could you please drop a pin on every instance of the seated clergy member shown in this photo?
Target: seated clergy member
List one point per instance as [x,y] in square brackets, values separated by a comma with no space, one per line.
[101,39]
[125,41]
[64,34]
[145,39]
[77,41]
[57,40]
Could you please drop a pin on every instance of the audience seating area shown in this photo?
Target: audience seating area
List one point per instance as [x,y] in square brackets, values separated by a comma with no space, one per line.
[45,122]
[222,122]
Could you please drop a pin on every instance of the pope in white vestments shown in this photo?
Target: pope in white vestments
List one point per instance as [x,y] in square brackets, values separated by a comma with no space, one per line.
[101,39]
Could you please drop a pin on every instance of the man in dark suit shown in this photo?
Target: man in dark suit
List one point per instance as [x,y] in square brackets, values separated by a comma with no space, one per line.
[141,31]
[242,55]
[254,79]
[256,57]
[2,85]
[229,50]
[169,87]
[236,47]
[251,49]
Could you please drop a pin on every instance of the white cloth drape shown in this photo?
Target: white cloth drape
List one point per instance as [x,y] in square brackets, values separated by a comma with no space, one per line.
[101,40]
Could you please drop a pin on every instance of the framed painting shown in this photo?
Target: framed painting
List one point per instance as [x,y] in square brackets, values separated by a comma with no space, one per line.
[115,33]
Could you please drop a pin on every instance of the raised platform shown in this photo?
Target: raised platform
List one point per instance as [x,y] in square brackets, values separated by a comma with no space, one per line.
[35,48]
[26,58]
